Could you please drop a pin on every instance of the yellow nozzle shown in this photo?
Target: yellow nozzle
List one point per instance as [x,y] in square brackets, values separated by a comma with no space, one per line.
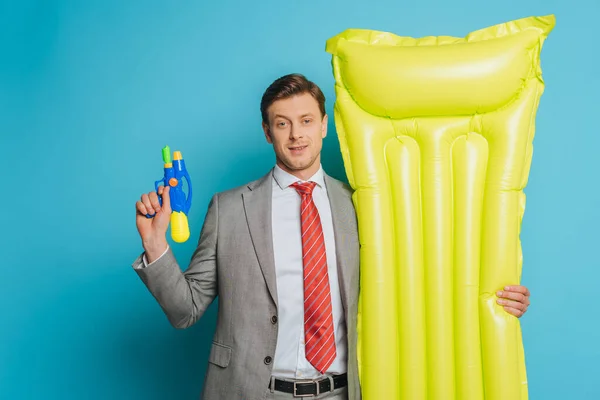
[180,231]
[177,155]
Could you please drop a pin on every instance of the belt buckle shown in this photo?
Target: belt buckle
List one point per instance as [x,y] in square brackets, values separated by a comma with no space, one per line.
[305,395]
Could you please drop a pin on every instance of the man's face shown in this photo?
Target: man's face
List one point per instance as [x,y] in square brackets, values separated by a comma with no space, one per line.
[296,131]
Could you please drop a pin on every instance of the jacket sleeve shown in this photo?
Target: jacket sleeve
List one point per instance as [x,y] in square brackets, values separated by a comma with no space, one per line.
[185,296]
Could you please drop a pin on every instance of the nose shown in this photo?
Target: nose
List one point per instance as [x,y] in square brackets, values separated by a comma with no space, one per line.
[295,132]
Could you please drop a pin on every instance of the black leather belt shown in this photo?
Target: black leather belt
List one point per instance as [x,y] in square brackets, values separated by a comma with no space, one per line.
[309,388]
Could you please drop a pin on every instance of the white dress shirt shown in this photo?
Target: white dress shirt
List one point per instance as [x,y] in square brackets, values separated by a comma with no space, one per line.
[290,359]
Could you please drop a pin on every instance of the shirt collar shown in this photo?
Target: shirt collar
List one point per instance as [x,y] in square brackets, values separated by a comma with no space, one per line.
[285,179]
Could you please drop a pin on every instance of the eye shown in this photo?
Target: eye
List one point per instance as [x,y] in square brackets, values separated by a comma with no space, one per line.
[307,121]
[281,124]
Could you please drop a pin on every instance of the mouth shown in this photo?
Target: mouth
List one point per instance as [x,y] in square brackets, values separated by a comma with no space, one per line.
[297,149]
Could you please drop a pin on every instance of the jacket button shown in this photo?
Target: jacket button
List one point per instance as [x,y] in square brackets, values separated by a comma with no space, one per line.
[268,360]
[274,319]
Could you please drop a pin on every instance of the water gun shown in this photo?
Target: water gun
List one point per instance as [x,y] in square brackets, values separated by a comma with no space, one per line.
[180,205]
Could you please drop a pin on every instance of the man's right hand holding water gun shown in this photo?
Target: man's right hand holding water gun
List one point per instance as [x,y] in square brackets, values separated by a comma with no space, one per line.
[153,231]
[165,206]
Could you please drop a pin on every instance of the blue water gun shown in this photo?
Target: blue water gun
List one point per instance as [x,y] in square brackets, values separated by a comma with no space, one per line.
[180,205]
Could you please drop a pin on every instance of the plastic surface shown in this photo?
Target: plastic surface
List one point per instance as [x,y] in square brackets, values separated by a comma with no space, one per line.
[436,135]
[180,231]
[174,173]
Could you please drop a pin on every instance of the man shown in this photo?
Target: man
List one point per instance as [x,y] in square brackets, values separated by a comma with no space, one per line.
[282,254]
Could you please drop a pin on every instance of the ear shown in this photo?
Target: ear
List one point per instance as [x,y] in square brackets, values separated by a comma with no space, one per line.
[324,126]
[267,132]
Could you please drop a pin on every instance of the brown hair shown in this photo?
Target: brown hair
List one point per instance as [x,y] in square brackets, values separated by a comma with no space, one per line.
[288,86]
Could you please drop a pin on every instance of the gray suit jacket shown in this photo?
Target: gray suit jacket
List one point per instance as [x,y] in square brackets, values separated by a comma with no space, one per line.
[234,260]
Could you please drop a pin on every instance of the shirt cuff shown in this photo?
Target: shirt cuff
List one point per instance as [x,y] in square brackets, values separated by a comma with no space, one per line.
[146,260]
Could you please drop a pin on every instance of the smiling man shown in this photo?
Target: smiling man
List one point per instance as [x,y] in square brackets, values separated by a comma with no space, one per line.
[282,254]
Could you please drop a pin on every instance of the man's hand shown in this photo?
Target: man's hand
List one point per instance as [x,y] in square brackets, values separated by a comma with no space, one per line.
[153,231]
[515,300]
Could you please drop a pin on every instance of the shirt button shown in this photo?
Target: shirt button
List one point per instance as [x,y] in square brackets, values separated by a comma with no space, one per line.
[268,360]
[274,319]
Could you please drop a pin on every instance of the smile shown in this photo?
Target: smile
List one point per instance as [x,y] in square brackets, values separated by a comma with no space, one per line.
[297,148]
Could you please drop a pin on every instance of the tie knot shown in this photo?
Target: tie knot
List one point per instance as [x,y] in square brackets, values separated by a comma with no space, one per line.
[304,188]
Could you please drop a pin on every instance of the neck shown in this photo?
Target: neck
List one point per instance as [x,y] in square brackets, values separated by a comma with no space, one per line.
[302,174]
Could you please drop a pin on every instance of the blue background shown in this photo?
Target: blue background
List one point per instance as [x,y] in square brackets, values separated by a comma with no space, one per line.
[90,92]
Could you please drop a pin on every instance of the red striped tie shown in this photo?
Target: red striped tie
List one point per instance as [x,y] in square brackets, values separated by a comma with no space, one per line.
[319,340]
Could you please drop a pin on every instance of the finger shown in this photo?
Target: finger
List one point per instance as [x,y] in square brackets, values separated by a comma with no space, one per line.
[517,289]
[166,198]
[512,296]
[141,208]
[160,190]
[516,312]
[512,304]
[154,201]
[147,204]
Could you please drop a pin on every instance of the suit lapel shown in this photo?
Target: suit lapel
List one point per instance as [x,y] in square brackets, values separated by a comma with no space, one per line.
[257,205]
[339,200]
